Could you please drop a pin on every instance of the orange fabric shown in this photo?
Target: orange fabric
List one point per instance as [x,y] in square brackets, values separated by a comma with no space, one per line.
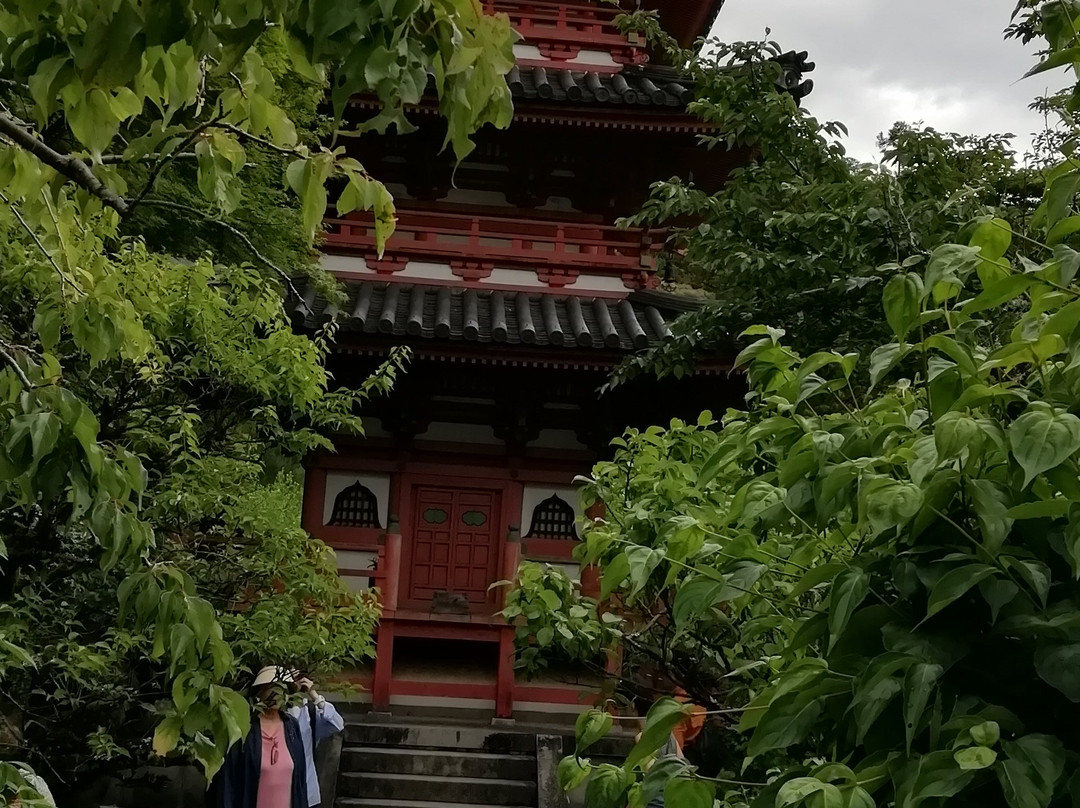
[690,727]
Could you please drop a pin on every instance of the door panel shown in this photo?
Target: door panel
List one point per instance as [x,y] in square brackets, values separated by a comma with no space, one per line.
[454,542]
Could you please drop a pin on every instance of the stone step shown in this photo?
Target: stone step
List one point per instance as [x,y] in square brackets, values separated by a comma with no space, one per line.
[440,762]
[430,788]
[437,736]
[354,802]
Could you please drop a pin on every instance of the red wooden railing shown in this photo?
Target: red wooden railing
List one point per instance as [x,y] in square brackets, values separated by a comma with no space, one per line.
[502,240]
[578,23]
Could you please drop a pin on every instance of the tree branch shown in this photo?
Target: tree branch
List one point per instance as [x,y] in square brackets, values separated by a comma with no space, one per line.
[5,349]
[70,166]
[114,159]
[167,158]
[239,234]
[240,133]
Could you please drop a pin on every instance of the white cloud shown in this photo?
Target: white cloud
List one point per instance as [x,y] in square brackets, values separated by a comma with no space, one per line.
[942,62]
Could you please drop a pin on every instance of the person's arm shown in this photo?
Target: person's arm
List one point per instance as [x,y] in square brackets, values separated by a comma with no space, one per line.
[328,720]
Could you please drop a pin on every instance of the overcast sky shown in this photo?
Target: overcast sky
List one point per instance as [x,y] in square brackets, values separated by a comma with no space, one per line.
[943,62]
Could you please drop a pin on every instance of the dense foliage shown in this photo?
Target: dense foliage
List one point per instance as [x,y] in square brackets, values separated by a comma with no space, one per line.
[162,179]
[873,571]
[803,237]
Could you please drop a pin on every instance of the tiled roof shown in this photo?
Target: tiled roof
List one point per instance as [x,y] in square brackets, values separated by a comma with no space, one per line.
[636,86]
[512,318]
[628,87]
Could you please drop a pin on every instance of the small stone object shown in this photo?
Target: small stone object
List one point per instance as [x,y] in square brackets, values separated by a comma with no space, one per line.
[449,603]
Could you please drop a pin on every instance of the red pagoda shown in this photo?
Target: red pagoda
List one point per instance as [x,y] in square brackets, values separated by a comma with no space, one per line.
[517,294]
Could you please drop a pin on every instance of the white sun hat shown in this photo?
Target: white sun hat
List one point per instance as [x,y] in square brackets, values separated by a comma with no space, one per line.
[271,674]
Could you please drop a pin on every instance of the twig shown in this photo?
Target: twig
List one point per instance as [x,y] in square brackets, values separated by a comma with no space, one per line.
[165,159]
[239,234]
[37,241]
[228,127]
[7,357]
[113,159]
[70,166]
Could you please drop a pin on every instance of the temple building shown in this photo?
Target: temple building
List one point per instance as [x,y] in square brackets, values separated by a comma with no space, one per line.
[516,294]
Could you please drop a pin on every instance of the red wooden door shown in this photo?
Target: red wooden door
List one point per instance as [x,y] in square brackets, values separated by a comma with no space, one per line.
[454,542]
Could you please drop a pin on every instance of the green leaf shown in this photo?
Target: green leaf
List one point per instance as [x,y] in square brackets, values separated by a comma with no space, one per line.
[694,598]
[998,593]
[572,772]
[1031,770]
[889,503]
[955,583]
[201,619]
[918,685]
[590,727]
[614,574]
[788,720]
[928,776]
[689,793]
[1059,667]
[884,359]
[875,689]
[662,718]
[953,433]
[992,237]
[1072,541]
[848,592]
[816,576]
[1062,230]
[1036,575]
[975,757]
[642,560]
[1043,438]
[1060,58]
[902,299]
[607,787]
[1040,509]
[988,733]
[799,789]
[998,293]
[167,735]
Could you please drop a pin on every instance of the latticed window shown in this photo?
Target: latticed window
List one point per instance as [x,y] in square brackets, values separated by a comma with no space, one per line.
[553,519]
[356,506]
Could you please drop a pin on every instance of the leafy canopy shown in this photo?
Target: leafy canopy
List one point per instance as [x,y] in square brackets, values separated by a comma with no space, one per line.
[874,568]
[148,389]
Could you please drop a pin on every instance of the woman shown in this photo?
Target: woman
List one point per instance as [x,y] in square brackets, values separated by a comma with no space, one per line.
[268,769]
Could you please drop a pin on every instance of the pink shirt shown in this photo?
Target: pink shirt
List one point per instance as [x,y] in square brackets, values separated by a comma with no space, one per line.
[275,779]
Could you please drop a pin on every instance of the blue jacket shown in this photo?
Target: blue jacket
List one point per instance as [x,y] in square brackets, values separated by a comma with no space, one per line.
[322,721]
[237,784]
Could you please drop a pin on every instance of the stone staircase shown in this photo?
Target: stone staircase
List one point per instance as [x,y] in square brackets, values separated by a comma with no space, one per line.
[412,764]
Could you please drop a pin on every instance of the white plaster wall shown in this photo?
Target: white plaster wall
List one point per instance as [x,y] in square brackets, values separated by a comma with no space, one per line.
[427,271]
[356,559]
[595,58]
[355,584]
[460,433]
[533,495]
[584,57]
[513,277]
[373,428]
[344,263]
[559,204]
[379,485]
[557,439]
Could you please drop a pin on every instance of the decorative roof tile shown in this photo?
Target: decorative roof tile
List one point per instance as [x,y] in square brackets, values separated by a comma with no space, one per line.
[656,86]
[494,316]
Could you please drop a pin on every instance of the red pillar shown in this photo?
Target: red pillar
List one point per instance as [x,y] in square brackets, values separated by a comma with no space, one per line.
[504,681]
[314,497]
[384,665]
[391,559]
[390,567]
